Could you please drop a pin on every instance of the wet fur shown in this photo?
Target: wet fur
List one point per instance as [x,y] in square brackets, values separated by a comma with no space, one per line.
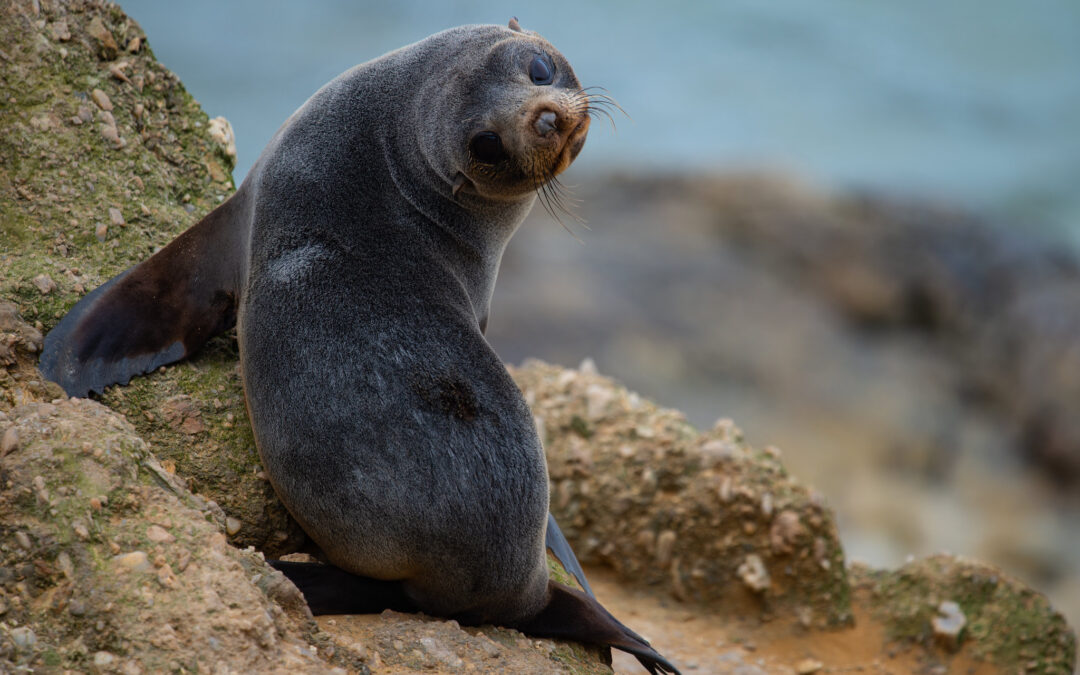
[360,278]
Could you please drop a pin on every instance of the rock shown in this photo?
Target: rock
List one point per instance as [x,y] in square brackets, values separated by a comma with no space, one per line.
[440,653]
[107,46]
[949,625]
[115,217]
[9,442]
[101,99]
[786,531]
[159,535]
[222,132]
[908,601]
[24,638]
[45,284]
[60,31]
[808,666]
[135,561]
[697,495]
[753,574]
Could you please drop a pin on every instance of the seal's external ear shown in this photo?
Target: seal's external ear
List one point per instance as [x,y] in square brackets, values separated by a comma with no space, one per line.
[459,182]
[155,313]
[515,26]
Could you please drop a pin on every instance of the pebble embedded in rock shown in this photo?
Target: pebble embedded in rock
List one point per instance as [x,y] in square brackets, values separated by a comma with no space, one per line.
[101,99]
[45,284]
[222,132]
[136,561]
[159,535]
[440,653]
[665,544]
[753,573]
[949,624]
[597,400]
[166,577]
[117,71]
[232,525]
[808,666]
[10,442]
[99,32]
[23,540]
[23,637]
[785,532]
[67,567]
[60,31]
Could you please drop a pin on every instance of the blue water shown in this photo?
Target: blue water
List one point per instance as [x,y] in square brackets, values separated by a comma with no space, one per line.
[976,102]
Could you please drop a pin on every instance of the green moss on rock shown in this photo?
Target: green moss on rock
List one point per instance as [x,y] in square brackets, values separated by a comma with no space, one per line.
[1008,623]
[62,171]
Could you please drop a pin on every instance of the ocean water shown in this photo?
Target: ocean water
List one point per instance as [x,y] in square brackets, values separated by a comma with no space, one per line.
[976,103]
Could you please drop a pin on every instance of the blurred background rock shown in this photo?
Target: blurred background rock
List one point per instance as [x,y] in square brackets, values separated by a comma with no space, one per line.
[851,227]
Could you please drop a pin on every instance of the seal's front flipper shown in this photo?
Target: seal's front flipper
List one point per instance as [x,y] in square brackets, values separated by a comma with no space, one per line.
[572,615]
[155,313]
[331,590]
[560,548]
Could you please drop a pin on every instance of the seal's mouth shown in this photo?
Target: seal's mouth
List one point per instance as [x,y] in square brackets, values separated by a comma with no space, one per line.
[572,146]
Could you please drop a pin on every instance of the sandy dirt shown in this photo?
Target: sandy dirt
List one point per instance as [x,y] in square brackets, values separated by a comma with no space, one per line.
[699,642]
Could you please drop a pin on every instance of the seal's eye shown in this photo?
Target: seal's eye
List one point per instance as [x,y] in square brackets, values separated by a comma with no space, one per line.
[541,71]
[487,147]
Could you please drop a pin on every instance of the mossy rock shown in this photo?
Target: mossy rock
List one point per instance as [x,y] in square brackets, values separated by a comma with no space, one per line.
[108,564]
[1007,623]
[67,182]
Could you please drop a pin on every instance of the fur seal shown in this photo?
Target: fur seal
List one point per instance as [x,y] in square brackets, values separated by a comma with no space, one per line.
[357,260]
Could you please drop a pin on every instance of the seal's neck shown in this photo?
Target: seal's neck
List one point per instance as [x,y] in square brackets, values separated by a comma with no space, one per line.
[471,232]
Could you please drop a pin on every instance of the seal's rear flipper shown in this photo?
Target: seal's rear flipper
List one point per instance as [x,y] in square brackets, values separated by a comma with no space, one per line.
[155,313]
[560,548]
[331,590]
[573,615]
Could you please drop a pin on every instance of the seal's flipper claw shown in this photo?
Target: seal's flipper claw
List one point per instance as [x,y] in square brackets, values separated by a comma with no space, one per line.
[332,590]
[560,548]
[155,313]
[572,615]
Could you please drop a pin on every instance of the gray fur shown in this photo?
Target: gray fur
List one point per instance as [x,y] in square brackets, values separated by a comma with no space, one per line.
[386,423]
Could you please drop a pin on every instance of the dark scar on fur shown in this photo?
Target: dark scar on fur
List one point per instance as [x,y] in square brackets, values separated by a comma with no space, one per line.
[449,395]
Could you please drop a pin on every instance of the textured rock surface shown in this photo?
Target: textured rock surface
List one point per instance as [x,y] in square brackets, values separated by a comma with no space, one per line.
[79,207]
[106,559]
[713,519]
[1004,622]
[113,553]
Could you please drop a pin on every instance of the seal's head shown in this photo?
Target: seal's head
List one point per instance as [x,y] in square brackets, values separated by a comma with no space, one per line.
[519,114]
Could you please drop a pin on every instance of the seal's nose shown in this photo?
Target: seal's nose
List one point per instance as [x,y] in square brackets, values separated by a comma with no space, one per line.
[546,123]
